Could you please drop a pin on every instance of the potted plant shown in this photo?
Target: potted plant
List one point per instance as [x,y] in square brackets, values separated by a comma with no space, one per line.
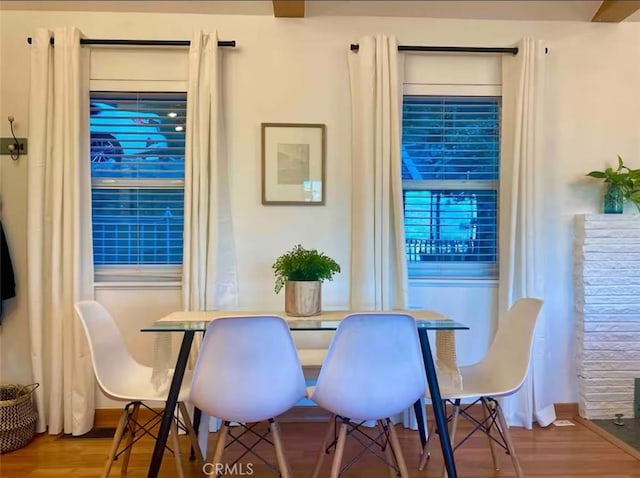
[622,184]
[301,271]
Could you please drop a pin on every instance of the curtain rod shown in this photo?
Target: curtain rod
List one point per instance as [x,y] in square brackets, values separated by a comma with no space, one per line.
[89,41]
[450,49]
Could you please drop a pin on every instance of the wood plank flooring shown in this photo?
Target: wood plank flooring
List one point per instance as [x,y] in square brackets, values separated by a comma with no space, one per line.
[558,452]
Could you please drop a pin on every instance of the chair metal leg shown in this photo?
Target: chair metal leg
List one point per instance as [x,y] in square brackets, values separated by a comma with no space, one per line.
[220,442]
[117,437]
[325,444]
[132,420]
[337,457]
[175,438]
[388,452]
[507,438]
[285,472]
[395,443]
[492,445]
[186,419]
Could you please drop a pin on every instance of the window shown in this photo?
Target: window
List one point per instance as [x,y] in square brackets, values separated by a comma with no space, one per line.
[137,180]
[450,158]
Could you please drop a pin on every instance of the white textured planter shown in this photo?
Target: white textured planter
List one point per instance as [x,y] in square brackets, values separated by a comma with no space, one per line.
[302,298]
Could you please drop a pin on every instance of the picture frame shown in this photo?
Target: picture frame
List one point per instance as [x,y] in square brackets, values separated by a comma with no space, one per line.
[293,164]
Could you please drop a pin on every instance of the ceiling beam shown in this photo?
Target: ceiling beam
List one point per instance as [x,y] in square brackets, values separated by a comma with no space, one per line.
[288,8]
[614,11]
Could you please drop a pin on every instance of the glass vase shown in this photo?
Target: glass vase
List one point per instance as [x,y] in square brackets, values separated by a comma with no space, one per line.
[613,200]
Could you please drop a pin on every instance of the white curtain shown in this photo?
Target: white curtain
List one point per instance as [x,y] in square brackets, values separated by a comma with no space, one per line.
[378,262]
[60,256]
[209,277]
[522,226]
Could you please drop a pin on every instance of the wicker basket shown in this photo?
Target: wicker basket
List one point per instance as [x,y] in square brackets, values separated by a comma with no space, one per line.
[17,416]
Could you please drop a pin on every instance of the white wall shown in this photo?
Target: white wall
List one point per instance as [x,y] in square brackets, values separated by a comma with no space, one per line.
[295,70]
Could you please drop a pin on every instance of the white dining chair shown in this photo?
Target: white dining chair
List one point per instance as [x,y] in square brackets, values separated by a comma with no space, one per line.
[373,370]
[499,374]
[124,379]
[247,372]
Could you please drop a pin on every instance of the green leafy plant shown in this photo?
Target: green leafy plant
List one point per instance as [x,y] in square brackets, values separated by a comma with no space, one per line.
[300,264]
[627,180]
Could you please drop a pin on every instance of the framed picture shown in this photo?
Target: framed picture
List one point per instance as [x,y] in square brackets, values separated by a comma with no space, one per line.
[293,164]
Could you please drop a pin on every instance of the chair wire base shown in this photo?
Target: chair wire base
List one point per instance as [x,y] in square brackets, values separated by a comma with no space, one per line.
[249,429]
[489,423]
[493,425]
[141,429]
[369,442]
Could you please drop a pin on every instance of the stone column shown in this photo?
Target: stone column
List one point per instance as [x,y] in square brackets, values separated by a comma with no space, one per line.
[607,301]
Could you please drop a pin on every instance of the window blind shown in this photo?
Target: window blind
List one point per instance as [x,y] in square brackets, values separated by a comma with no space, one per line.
[450,171]
[137,169]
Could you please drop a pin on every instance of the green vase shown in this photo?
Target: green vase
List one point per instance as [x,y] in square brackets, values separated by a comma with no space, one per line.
[613,200]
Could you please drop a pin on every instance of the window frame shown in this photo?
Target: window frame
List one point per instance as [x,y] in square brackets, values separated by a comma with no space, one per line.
[157,275]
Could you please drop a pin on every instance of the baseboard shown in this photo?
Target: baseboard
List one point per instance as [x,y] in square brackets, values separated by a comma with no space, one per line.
[314,413]
[566,410]
[309,413]
[607,436]
[108,417]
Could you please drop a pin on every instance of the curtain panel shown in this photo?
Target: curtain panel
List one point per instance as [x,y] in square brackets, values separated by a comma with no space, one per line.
[60,255]
[522,226]
[209,277]
[209,266]
[378,262]
[379,279]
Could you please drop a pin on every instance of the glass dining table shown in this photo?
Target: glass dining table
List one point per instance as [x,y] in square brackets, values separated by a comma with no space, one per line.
[191,322]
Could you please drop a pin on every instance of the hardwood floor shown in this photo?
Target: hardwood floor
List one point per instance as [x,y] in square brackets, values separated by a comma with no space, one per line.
[558,452]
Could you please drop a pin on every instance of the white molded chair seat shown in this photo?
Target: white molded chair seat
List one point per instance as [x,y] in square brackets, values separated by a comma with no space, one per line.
[500,373]
[372,371]
[122,378]
[247,371]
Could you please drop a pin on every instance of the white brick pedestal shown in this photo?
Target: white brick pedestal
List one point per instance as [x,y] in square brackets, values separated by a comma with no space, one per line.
[607,298]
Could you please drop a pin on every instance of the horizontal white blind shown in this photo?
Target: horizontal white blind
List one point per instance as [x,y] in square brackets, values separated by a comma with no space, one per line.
[450,138]
[137,167]
[137,135]
[450,159]
[138,226]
